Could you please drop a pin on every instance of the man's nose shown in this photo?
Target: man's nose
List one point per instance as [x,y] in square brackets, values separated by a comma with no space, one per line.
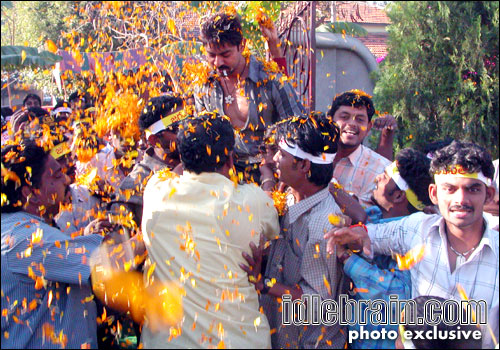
[460,197]
[218,61]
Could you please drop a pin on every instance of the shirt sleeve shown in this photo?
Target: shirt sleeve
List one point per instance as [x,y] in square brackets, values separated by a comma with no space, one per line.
[199,104]
[285,99]
[44,251]
[395,236]
[270,226]
[372,282]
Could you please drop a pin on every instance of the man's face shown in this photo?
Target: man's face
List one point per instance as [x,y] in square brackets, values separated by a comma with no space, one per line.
[54,188]
[32,102]
[384,192]
[224,58]
[165,145]
[354,125]
[287,168]
[460,200]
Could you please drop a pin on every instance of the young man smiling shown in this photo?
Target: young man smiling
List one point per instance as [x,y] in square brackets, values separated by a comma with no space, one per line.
[461,250]
[356,166]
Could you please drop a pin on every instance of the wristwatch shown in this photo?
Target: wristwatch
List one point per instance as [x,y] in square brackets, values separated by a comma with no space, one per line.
[347,254]
[266,287]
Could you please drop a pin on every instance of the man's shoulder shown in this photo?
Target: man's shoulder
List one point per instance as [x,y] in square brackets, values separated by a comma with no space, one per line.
[254,193]
[373,156]
[318,221]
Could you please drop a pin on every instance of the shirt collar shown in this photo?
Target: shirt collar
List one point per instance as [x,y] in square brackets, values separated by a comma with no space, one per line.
[296,210]
[354,156]
[488,238]
[253,69]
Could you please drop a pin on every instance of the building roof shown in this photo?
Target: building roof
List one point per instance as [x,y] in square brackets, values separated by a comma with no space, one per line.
[360,12]
[376,43]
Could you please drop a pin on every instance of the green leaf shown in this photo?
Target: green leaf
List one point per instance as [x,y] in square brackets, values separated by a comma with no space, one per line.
[13,57]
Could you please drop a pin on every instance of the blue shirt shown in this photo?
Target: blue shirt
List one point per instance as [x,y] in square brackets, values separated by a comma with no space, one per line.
[45,285]
[377,280]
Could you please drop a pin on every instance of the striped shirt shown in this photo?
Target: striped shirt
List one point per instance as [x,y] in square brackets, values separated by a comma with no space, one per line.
[271,98]
[357,173]
[376,280]
[299,257]
[431,276]
[46,285]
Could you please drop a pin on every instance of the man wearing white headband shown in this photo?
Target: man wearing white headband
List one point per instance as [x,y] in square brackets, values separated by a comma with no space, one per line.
[61,111]
[460,246]
[403,188]
[159,121]
[297,260]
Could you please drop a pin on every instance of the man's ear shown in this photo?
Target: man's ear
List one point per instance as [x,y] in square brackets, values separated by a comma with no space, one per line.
[433,194]
[399,196]
[490,194]
[29,196]
[242,45]
[305,167]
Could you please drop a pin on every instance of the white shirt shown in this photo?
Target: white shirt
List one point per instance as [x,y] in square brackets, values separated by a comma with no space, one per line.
[432,275]
[357,173]
[220,220]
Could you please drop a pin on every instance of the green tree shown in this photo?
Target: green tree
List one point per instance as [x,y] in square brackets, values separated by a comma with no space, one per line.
[440,77]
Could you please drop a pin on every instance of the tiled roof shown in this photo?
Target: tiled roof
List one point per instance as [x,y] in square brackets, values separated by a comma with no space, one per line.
[376,43]
[360,12]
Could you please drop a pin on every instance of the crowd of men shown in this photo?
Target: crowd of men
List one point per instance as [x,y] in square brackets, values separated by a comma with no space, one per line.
[243,201]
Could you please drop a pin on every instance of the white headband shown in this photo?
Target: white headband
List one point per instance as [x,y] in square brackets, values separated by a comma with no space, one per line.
[325,158]
[61,110]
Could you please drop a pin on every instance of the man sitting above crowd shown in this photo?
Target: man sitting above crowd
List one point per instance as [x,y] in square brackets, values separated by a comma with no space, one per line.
[250,94]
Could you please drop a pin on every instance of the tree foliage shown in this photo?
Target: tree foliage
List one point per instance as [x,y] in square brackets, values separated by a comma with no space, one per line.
[440,77]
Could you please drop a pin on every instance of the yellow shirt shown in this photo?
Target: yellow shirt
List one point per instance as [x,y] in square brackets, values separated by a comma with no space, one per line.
[195,229]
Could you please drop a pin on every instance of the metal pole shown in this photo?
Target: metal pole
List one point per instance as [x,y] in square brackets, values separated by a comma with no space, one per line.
[312,57]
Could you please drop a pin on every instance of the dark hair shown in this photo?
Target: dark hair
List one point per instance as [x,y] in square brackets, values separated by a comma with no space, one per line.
[75,96]
[471,157]
[220,29]
[158,108]
[314,134]
[25,165]
[7,111]
[353,99]
[414,169]
[205,142]
[36,97]
[446,313]
[434,146]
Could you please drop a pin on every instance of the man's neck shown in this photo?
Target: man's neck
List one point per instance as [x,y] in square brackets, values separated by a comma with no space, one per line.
[345,151]
[465,238]
[395,211]
[239,72]
[305,190]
